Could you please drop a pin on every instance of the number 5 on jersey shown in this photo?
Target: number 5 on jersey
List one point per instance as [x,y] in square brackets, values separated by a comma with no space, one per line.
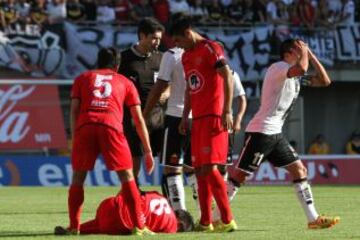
[102,84]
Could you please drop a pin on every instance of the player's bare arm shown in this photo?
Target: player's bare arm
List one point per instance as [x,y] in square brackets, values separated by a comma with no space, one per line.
[321,78]
[74,114]
[240,113]
[227,118]
[184,124]
[144,136]
[156,93]
[300,68]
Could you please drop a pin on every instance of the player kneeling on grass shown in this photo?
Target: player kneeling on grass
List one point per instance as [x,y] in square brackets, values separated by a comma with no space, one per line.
[114,217]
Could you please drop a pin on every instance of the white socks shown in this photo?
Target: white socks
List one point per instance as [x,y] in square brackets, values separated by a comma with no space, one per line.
[176,192]
[304,194]
[191,180]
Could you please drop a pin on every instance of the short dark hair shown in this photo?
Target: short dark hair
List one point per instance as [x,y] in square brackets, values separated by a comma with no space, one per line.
[185,221]
[286,46]
[148,26]
[179,23]
[108,58]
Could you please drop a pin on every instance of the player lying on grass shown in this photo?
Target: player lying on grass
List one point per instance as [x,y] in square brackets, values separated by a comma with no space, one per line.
[113,217]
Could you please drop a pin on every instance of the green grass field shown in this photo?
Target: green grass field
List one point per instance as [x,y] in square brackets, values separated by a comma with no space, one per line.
[265,212]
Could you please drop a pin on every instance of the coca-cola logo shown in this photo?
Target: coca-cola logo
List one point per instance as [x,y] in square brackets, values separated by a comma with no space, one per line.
[13,124]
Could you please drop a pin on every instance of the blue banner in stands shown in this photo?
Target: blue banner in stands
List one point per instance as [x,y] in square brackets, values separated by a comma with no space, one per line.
[57,171]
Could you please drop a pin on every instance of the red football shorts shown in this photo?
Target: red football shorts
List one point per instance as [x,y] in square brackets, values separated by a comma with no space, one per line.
[209,142]
[92,139]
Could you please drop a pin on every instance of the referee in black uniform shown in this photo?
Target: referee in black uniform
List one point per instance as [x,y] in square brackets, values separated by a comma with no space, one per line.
[140,63]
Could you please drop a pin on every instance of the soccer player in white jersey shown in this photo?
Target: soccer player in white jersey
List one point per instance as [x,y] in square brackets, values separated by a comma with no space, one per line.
[264,138]
[171,74]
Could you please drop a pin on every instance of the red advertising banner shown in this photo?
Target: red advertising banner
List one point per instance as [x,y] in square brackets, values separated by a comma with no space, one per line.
[30,117]
[327,169]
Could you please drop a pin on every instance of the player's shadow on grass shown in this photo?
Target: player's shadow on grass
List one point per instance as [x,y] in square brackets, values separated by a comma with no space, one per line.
[15,234]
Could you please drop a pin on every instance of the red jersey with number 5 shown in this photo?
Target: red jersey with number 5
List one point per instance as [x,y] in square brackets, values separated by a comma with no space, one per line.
[102,94]
[206,84]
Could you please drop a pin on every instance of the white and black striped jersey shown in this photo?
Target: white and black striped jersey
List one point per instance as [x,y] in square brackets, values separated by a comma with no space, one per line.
[171,70]
[279,94]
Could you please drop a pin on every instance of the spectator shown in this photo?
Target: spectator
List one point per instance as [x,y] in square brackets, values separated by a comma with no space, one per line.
[248,11]
[235,12]
[179,6]
[90,9]
[334,10]
[198,12]
[38,13]
[307,12]
[56,10]
[23,8]
[294,18]
[10,14]
[216,13]
[161,10]
[323,17]
[276,12]
[259,9]
[319,145]
[347,15]
[122,10]
[105,13]
[141,10]
[75,11]
[353,145]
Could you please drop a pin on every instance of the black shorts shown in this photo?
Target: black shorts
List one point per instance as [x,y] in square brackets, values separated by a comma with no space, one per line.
[176,148]
[136,148]
[259,147]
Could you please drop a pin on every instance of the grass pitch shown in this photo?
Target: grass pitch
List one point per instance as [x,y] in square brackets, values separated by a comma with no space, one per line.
[265,212]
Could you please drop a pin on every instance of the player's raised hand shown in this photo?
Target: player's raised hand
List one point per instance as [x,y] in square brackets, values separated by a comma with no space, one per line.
[149,162]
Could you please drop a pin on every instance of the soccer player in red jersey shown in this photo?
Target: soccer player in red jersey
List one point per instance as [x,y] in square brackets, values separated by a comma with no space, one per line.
[113,216]
[208,94]
[98,97]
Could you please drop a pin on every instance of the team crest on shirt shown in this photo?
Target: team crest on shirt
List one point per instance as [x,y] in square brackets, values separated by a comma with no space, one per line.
[195,81]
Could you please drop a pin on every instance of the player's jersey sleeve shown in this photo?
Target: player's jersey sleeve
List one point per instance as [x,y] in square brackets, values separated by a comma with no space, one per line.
[167,66]
[75,90]
[215,56]
[132,96]
[279,70]
[238,87]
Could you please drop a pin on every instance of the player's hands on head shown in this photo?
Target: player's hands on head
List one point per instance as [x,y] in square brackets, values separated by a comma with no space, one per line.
[149,162]
[301,47]
[227,120]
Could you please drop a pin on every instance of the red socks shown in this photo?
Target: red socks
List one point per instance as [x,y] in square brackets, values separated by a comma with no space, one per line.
[205,198]
[132,197]
[75,201]
[218,188]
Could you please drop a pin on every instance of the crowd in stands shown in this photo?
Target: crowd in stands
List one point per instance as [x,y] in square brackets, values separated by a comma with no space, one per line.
[305,13]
